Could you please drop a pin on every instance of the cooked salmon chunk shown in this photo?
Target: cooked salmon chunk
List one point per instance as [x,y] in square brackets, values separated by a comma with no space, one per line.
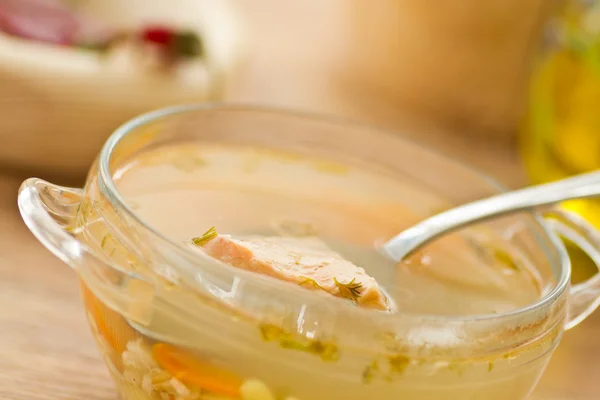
[306,261]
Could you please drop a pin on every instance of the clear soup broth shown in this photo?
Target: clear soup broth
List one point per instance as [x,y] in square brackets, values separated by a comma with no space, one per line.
[183,190]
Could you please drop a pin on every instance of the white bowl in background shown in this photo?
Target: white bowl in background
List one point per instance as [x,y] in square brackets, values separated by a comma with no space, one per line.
[59,105]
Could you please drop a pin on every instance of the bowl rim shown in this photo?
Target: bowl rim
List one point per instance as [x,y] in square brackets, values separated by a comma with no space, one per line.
[561,263]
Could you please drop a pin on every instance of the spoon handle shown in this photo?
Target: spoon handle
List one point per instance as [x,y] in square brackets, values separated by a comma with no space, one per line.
[577,187]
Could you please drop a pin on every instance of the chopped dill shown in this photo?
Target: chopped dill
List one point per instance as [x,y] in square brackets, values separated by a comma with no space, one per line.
[398,363]
[388,371]
[370,372]
[206,237]
[270,332]
[457,367]
[351,290]
[105,240]
[506,259]
[326,351]
[310,282]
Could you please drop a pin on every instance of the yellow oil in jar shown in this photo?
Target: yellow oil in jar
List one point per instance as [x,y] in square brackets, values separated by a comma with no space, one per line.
[561,132]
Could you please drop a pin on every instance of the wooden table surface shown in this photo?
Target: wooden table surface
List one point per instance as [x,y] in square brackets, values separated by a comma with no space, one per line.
[46,350]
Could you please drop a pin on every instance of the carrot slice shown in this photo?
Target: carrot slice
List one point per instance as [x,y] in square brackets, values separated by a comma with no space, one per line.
[110,324]
[192,371]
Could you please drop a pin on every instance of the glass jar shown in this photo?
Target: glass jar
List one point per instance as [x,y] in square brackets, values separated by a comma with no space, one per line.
[561,132]
[172,324]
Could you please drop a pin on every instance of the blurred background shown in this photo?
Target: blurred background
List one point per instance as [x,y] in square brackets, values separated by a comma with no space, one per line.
[511,86]
[447,72]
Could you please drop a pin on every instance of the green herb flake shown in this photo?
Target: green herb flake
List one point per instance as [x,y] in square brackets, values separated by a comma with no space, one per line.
[456,367]
[506,259]
[105,241]
[490,366]
[351,290]
[310,282]
[289,343]
[398,364]
[327,351]
[206,237]
[370,372]
[393,367]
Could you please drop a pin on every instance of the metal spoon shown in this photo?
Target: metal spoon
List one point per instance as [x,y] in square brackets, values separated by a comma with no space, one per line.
[413,238]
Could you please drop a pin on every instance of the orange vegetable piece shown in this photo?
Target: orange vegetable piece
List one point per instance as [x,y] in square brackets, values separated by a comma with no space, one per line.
[110,324]
[192,371]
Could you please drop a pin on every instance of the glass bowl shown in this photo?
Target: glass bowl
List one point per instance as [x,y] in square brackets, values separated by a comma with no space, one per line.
[172,324]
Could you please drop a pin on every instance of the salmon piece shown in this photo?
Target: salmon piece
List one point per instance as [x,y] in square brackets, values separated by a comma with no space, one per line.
[305,261]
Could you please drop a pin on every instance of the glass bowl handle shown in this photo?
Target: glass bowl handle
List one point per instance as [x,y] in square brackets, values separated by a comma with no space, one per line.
[49,211]
[585,296]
